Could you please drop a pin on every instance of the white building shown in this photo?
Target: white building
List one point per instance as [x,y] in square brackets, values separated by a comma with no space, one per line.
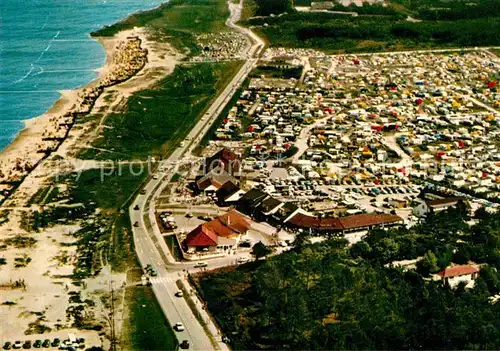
[454,275]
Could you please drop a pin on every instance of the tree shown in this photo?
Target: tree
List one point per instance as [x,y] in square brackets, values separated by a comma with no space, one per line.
[260,250]
[429,264]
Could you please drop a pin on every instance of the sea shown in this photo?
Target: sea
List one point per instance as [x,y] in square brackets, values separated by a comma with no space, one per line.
[45,47]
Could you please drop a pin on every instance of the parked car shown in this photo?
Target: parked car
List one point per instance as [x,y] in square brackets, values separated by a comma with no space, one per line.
[243,259]
[46,343]
[17,344]
[200,265]
[179,293]
[27,344]
[56,342]
[184,344]
[7,345]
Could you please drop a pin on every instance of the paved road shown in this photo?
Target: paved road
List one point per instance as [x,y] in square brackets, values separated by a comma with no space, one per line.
[149,246]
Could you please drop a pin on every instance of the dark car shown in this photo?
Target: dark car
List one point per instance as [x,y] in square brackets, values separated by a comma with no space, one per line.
[56,342]
[184,344]
[46,343]
[136,207]
[27,344]
[136,224]
[37,344]
[7,345]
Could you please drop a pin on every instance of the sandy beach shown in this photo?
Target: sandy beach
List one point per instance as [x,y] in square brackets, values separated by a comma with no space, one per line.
[44,299]
[128,54]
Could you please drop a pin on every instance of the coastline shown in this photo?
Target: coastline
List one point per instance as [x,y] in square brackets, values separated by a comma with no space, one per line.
[161,60]
[66,99]
[44,134]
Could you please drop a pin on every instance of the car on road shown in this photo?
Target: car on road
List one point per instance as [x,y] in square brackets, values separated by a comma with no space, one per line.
[7,345]
[243,259]
[143,192]
[156,176]
[184,344]
[182,144]
[189,215]
[136,224]
[56,342]
[200,265]
[179,293]
[136,207]
[179,327]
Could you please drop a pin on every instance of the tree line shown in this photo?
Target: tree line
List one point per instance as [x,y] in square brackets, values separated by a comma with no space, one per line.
[331,296]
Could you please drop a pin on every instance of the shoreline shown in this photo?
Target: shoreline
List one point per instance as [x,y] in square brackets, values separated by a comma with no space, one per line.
[44,134]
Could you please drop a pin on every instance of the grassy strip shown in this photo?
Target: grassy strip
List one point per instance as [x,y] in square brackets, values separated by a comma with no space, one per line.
[146,327]
[174,247]
[177,22]
[156,120]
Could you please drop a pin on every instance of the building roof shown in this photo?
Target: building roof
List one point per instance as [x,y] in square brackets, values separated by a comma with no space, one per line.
[368,219]
[253,197]
[201,236]
[226,158]
[269,204]
[457,271]
[303,220]
[229,224]
[440,202]
[216,177]
[342,223]
[227,190]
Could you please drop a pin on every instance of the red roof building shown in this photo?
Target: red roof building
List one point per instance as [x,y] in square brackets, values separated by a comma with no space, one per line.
[458,271]
[201,236]
[221,233]
[344,224]
[454,275]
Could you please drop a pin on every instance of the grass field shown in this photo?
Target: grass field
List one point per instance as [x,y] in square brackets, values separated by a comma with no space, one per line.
[177,22]
[108,188]
[146,327]
[156,120]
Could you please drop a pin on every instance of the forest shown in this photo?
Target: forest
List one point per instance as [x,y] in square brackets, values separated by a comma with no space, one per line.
[433,24]
[331,296]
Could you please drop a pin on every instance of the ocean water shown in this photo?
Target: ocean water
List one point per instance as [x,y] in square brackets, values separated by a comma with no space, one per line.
[45,47]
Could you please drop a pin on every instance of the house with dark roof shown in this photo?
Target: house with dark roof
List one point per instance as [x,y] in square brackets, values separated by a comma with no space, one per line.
[269,206]
[225,159]
[251,200]
[229,193]
[454,275]
[287,211]
[214,180]
[218,236]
